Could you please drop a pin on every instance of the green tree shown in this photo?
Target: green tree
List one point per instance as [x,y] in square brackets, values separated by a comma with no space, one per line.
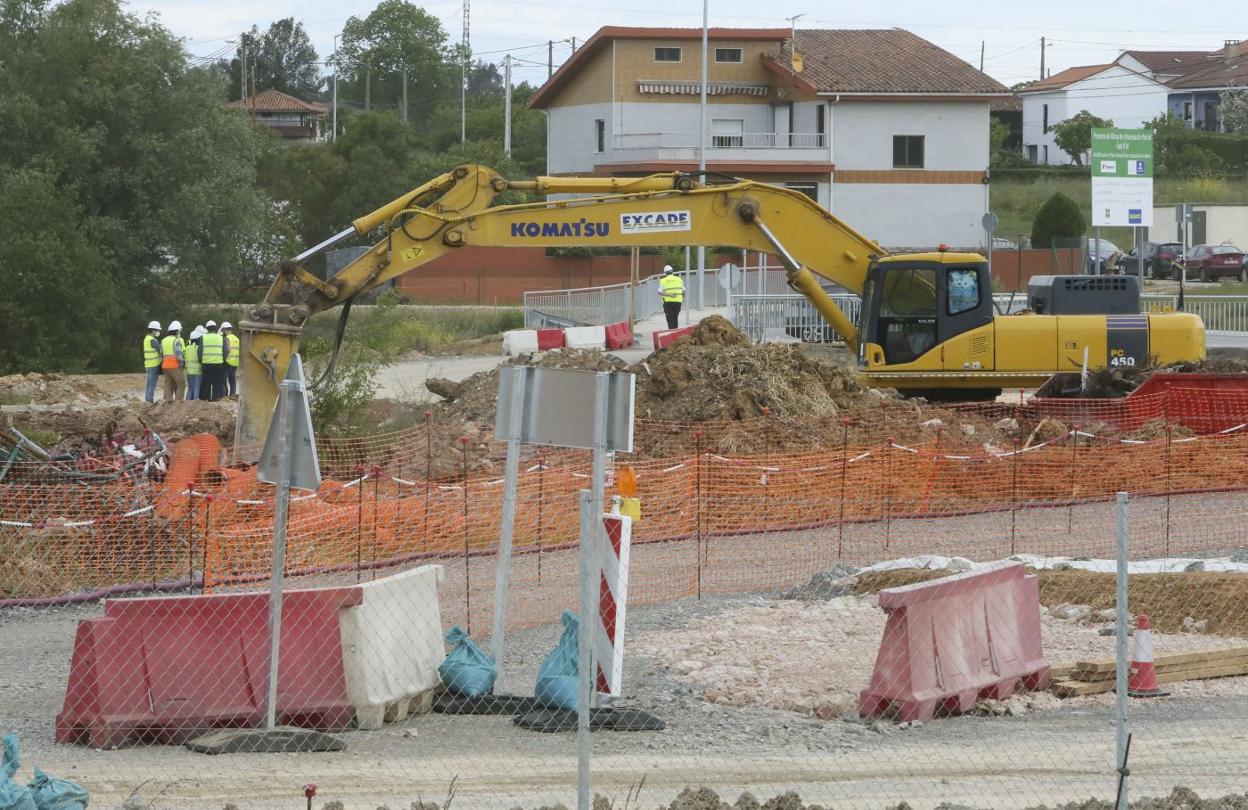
[1176,151]
[1074,135]
[397,37]
[1234,110]
[1058,220]
[282,58]
[103,107]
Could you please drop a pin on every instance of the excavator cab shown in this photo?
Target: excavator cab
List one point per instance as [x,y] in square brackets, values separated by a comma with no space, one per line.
[914,304]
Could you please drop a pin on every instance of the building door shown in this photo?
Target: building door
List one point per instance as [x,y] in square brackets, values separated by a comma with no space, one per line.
[1033,152]
[1198,227]
[727,132]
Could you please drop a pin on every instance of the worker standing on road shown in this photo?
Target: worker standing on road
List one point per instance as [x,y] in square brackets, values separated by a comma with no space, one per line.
[173,362]
[672,290]
[194,369]
[151,358]
[212,358]
[231,358]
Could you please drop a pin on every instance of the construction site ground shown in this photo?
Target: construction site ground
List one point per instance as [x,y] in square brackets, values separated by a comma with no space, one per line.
[740,681]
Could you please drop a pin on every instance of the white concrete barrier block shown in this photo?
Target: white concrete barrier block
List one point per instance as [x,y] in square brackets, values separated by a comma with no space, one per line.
[392,645]
[586,337]
[519,341]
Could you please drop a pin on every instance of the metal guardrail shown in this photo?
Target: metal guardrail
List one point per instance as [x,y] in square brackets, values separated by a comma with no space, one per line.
[593,306]
[793,317]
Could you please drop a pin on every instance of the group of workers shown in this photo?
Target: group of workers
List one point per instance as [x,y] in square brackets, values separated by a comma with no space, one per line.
[204,365]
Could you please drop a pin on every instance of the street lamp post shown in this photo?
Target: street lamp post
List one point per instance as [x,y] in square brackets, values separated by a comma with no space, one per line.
[702,148]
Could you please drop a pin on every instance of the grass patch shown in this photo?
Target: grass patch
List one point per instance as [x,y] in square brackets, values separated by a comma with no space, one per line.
[386,332]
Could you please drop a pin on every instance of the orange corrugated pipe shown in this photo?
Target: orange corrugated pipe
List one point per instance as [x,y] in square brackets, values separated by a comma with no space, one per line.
[183,470]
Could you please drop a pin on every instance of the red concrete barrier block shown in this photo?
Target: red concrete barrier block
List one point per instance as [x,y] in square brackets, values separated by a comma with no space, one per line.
[666,337]
[950,642]
[548,339]
[619,335]
[167,669]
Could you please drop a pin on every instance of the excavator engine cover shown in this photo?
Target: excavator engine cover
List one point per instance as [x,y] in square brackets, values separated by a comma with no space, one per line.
[1084,295]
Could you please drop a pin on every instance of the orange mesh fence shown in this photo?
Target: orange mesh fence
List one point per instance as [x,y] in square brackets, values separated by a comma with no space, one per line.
[712,522]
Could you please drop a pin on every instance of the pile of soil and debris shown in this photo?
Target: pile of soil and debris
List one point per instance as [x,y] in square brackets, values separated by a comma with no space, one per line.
[68,427]
[1111,383]
[46,389]
[718,377]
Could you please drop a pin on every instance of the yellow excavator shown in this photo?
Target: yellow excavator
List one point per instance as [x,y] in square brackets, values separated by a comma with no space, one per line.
[928,321]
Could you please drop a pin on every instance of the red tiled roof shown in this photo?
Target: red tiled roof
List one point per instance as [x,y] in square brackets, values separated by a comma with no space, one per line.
[1219,73]
[1170,61]
[555,83]
[1067,77]
[890,60]
[277,101]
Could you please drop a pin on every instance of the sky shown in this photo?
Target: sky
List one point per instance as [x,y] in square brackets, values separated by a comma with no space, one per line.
[1077,32]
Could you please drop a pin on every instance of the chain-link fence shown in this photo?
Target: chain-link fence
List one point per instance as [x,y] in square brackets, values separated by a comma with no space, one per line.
[816,608]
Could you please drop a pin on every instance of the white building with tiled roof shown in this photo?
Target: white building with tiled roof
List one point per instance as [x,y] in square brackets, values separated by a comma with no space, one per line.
[291,118]
[885,129]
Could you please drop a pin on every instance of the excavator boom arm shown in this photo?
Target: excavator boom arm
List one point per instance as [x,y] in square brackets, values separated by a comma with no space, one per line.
[456,210]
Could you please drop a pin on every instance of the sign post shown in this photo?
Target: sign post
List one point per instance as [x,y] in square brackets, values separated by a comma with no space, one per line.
[1122,181]
[288,460]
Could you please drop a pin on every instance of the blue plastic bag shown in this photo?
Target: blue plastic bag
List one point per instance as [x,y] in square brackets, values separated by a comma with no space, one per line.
[467,670]
[12,795]
[51,793]
[556,678]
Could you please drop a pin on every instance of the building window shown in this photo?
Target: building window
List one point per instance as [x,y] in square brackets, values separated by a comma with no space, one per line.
[600,135]
[820,120]
[1044,124]
[727,55]
[811,190]
[1046,154]
[1187,111]
[908,151]
[727,132]
[1032,153]
[667,54]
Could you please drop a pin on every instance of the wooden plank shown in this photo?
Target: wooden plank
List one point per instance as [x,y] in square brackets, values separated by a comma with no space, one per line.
[1083,675]
[1081,688]
[1107,664]
[1061,672]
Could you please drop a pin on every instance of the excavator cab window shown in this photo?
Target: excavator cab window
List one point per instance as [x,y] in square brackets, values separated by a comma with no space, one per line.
[908,312]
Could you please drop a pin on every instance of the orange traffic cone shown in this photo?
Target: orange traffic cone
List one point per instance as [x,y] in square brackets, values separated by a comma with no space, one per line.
[1142,677]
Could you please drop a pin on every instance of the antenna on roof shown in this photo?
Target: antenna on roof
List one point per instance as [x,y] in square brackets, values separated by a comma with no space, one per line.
[795,59]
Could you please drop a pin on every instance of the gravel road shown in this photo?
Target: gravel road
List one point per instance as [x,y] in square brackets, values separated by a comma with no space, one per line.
[1058,754]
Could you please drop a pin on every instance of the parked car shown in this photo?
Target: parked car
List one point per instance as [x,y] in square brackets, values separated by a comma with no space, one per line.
[1101,263]
[1213,262]
[1158,260]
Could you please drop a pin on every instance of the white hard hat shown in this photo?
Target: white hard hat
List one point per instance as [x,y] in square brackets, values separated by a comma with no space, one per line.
[210,324]
[226,325]
[667,268]
[175,326]
[197,332]
[154,325]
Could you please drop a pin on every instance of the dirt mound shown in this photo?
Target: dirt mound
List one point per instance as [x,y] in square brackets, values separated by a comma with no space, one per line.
[1111,383]
[46,389]
[70,424]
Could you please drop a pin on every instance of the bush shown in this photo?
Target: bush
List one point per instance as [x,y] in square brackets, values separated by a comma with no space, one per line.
[1059,218]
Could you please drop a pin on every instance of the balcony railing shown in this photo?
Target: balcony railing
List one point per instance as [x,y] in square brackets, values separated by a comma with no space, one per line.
[746,140]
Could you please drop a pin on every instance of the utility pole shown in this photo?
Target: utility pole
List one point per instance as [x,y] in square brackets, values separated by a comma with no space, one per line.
[466,47]
[702,145]
[333,136]
[1041,58]
[981,56]
[405,94]
[573,44]
[507,105]
[550,58]
[242,67]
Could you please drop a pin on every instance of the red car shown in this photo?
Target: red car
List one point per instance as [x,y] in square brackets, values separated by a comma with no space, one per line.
[1212,262]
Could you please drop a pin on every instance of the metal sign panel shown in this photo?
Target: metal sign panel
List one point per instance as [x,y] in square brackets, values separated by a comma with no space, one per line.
[1122,177]
[559,407]
[305,469]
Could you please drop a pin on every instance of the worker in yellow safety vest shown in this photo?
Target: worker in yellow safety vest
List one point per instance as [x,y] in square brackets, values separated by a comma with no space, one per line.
[672,291]
[151,358]
[231,358]
[194,369]
[212,358]
[173,363]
